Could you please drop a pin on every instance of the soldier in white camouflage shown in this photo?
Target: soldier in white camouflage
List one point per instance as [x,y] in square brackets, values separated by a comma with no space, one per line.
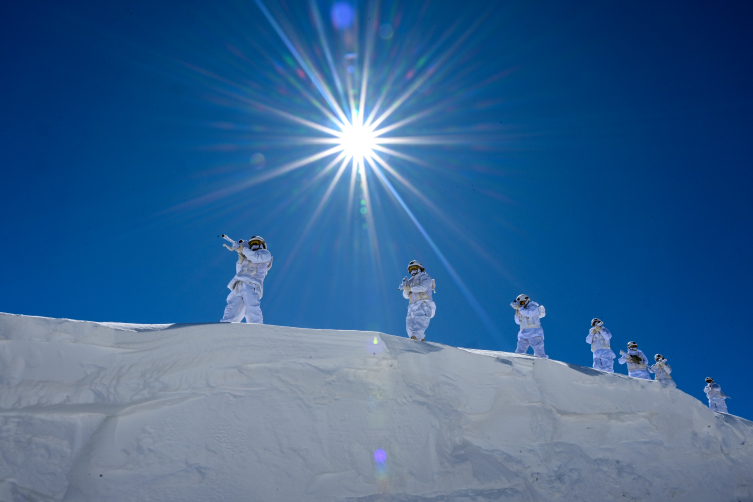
[598,337]
[528,315]
[247,286]
[636,361]
[715,395]
[418,289]
[661,371]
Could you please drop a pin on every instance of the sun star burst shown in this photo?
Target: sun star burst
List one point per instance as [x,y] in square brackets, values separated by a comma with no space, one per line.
[355,124]
[357,141]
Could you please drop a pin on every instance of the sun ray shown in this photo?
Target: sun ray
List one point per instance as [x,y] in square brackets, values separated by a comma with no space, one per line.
[351,192]
[293,165]
[455,277]
[225,192]
[299,140]
[401,155]
[394,74]
[454,139]
[240,94]
[371,227]
[329,167]
[426,75]
[319,208]
[315,79]
[370,36]
[350,90]
[325,46]
[303,189]
[437,211]
[290,116]
[408,120]
[382,97]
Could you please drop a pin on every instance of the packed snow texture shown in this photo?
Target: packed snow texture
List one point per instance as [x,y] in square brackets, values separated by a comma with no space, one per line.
[230,412]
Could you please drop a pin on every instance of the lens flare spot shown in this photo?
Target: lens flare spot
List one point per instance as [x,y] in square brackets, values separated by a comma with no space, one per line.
[374,346]
[343,14]
[258,161]
[380,456]
[363,210]
[386,31]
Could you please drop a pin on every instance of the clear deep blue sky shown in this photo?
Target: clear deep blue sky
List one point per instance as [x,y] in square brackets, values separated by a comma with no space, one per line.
[593,155]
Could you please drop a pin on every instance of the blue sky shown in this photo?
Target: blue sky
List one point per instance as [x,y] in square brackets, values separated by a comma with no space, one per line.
[593,155]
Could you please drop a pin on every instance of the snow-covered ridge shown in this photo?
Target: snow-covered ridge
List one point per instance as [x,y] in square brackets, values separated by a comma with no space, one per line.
[122,412]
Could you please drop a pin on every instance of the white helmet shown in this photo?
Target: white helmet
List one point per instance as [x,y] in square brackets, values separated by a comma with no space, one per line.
[658,357]
[632,345]
[522,300]
[709,380]
[596,322]
[259,239]
[416,264]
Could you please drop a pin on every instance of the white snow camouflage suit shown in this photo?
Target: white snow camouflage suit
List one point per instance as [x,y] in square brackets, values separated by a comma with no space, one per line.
[530,330]
[661,373]
[716,397]
[599,337]
[636,370]
[247,287]
[421,306]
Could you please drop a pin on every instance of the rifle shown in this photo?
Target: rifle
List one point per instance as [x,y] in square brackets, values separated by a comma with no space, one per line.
[238,249]
[404,283]
[634,358]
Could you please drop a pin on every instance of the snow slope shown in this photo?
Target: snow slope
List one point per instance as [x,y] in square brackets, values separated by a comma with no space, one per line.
[118,412]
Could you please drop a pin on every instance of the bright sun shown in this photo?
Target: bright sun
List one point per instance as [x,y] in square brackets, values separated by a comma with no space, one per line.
[357,141]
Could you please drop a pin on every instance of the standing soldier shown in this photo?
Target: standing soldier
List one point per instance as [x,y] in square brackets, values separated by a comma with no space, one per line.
[528,315]
[418,290]
[636,361]
[247,287]
[598,337]
[661,371]
[716,396]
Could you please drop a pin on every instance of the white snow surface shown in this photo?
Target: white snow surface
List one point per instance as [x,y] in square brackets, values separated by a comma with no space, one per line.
[237,412]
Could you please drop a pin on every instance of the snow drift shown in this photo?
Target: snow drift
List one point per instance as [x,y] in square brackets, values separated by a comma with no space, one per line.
[117,412]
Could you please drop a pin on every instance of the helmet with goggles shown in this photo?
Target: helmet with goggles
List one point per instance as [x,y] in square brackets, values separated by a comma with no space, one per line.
[596,322]
[415,265]
[522,300]
[259,241]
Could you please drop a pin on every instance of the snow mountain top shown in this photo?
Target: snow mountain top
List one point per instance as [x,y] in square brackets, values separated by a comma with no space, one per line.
[109,411]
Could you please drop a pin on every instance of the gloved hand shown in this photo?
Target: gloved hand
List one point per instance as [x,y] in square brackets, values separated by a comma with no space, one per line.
[407,288]
[515,305]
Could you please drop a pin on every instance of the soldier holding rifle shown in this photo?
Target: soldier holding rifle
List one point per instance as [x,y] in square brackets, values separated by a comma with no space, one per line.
[247,286]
